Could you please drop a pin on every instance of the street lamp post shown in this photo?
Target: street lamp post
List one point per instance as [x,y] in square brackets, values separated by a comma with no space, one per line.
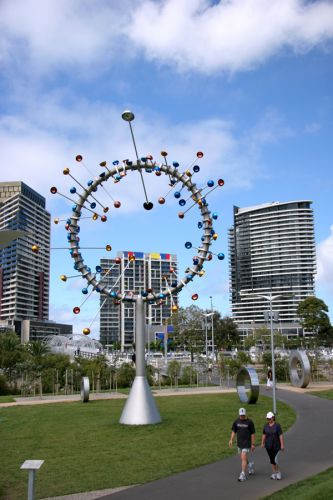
[270,299]
[213,347]
[206,333]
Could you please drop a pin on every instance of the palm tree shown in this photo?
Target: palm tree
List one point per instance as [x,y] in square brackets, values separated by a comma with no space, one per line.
[36,350]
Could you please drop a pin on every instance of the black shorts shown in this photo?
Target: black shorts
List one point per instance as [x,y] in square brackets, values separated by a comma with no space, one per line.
[272,453]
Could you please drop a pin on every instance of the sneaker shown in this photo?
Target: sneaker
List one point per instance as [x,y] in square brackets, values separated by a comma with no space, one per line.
[273,476]
[242,476]
[251,468]
[278,475]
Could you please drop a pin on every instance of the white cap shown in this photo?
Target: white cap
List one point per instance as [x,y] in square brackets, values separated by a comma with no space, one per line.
[270,414]
[242,411]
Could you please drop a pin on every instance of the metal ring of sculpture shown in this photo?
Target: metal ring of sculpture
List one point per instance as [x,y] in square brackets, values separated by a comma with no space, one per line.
[85,388]
[299,361]
[203,253]
[247,372]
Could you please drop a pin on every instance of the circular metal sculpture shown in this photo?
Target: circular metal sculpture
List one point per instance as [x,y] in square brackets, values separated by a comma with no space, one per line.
[140,408]
[85,387]
[299,369]
[250,374]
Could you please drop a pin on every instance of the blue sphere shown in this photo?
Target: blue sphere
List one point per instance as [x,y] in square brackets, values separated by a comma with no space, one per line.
[175,164]
[84,291]
[161,296]
[117,177]
[74,208]
[196,168]
[93,205]
[144,294]
[220,256]
[188,245]
[174,284]
[90,182]
[113,294]
[116,162]
[182,202]
[210,183]
[73,190]
[98,289]
[102,174]
[200,225]
[144,159]
[195,261]
[98,269]
[215,215]
[177,194]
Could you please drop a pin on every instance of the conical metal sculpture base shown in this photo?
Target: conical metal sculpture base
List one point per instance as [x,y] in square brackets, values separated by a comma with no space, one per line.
[140,407]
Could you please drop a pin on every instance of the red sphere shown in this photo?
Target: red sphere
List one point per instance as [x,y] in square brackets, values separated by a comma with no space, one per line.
[117,260]
[117,204]
[104,218]
[78,158]
[220,182]
[161,201]
[200,154]
[53,190]
[76,310]
[181,215]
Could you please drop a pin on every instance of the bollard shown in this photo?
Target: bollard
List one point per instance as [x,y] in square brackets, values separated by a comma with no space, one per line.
[32,466]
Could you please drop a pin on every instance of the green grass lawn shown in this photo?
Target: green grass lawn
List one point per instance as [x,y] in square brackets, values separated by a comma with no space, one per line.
[7,399]
[319,487]
[85,448]
[328,394]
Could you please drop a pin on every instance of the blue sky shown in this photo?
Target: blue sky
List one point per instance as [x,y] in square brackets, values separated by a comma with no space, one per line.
[248,82]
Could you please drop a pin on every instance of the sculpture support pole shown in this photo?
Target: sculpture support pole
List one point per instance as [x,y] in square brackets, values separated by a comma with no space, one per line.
[140,407]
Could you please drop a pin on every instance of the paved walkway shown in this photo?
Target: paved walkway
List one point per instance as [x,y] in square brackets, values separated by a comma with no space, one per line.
[309,450]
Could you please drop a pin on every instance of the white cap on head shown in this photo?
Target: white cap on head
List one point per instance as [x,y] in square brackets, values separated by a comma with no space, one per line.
[270,414]
[242,411]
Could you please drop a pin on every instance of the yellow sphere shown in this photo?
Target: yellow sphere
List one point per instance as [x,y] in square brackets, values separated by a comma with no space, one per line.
[215,236]
[132,258]
[95,216]
[56,221]
[86,331]
[108,248]
[63,277]
[201,273]
[65,171]
[174,308]
[35,248]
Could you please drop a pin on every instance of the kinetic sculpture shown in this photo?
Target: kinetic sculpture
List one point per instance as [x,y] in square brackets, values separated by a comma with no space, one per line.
[140,407]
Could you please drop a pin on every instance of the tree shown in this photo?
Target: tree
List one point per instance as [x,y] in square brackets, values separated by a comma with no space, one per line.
[188,330]
[11,354]
[313,317]
[225,332]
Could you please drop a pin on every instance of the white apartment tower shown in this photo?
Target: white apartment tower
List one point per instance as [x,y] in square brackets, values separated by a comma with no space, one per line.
[271,251]
[24,275]
[147,271]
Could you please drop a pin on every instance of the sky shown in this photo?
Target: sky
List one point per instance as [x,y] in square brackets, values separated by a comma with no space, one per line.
[247,82]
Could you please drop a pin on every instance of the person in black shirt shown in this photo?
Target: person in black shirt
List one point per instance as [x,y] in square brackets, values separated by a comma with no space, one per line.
[243,427]
[272,440]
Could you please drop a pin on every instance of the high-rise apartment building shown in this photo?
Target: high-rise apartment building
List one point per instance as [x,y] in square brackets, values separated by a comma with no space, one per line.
[24,275]
[147,271]
[271,251]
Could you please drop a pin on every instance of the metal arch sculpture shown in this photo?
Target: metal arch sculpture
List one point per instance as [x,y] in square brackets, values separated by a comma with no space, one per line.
[85,388]
[299,361]
[247,372]
[140,408]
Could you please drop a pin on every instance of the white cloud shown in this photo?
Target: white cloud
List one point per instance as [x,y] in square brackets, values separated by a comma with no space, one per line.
[230,35]
[325,262]
[47,135]
[200,35]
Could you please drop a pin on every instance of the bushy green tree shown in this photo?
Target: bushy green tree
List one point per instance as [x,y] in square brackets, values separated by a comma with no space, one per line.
[313,317]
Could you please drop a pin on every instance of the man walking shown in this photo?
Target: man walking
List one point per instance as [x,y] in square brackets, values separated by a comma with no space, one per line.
[244,428]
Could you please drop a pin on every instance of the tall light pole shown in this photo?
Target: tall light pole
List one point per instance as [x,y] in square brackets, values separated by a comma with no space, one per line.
[213,348]
[270,299]
[206,315]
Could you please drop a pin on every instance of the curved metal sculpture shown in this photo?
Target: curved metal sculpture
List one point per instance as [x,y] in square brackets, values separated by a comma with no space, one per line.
[140,408]
[299,369]
[247,372]
[85,388]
